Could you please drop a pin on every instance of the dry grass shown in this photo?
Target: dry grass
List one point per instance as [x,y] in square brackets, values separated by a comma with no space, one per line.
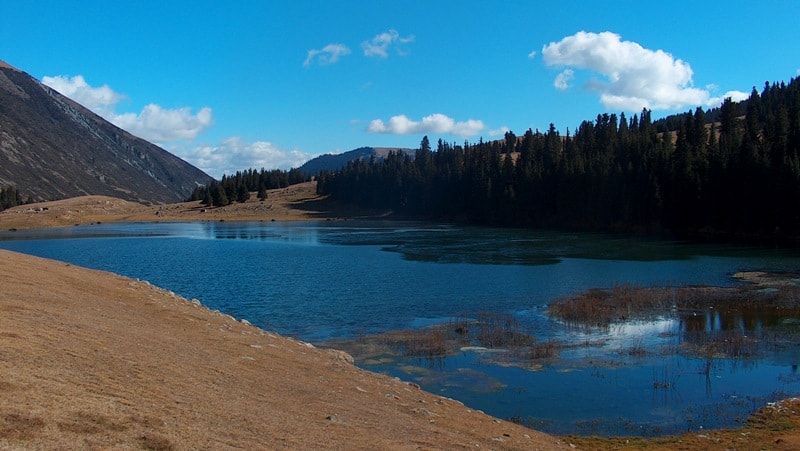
[156,442]
[294,203]
[16,426]
[90,423]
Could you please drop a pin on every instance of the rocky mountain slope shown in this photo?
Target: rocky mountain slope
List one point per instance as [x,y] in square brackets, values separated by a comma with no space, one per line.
[53,148]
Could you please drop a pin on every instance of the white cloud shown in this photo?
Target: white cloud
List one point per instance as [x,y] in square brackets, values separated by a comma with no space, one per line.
[532,54]
[327,55]
[736,96]
[235,154]
[102,99]
[500,131]
[636,77]
[160,125]
[379,45]
[434,123]
[562,80]
[153,123]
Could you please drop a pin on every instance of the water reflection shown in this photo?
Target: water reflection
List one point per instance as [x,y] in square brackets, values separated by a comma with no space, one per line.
[754,321]
[259,231]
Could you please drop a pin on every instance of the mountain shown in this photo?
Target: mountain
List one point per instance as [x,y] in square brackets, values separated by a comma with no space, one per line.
[53,148]
[334,162]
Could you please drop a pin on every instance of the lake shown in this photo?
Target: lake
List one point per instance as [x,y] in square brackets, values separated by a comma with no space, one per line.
[345,280]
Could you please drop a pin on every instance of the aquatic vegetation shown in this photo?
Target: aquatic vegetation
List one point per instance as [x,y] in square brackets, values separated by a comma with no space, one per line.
[484,329]
[602,307]
[624,302]
[667,339]
[495,330]
[544,349]
[740,323]
[430,342]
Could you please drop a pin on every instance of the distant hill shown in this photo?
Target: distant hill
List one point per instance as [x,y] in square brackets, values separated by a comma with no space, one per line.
[53,148]
[334,162]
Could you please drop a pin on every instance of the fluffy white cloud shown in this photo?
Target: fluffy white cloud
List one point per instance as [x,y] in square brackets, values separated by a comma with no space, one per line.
[562,80]
[636,77]
[435,123]
[235,154]
[532,54]
[102,99]
[160,125]
[329,54]
[153,123]
[379,45]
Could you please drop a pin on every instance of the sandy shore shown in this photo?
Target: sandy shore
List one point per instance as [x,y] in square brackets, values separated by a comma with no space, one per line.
[92,360]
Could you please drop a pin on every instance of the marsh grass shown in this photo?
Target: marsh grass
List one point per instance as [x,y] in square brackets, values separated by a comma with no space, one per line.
[602,307]
[636,349]
[486,329]
[738,324]
[429,342]
[544,350]
[497,330]
[732,344]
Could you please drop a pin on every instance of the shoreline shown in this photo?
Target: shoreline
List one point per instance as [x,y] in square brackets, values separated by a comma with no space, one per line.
[294,203]
[74,356]
[91,359]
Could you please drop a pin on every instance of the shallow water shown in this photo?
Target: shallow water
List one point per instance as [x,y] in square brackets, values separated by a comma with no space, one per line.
[323,280]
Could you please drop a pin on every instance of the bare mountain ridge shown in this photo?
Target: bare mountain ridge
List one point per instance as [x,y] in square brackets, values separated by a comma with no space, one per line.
[334,162]
[53,148]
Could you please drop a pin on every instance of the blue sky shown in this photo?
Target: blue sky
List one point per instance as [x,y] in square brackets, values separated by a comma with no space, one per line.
[241,84]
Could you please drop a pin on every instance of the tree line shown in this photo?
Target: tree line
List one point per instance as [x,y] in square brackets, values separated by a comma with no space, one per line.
[237,187]
[10,197]
[729,173]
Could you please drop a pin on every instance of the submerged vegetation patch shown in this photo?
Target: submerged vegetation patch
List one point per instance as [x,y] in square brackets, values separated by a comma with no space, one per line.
[482,330]
[737,322]
[666,342]
[625,302]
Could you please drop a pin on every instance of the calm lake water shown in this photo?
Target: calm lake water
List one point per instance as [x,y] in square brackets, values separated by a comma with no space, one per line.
[330,280]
